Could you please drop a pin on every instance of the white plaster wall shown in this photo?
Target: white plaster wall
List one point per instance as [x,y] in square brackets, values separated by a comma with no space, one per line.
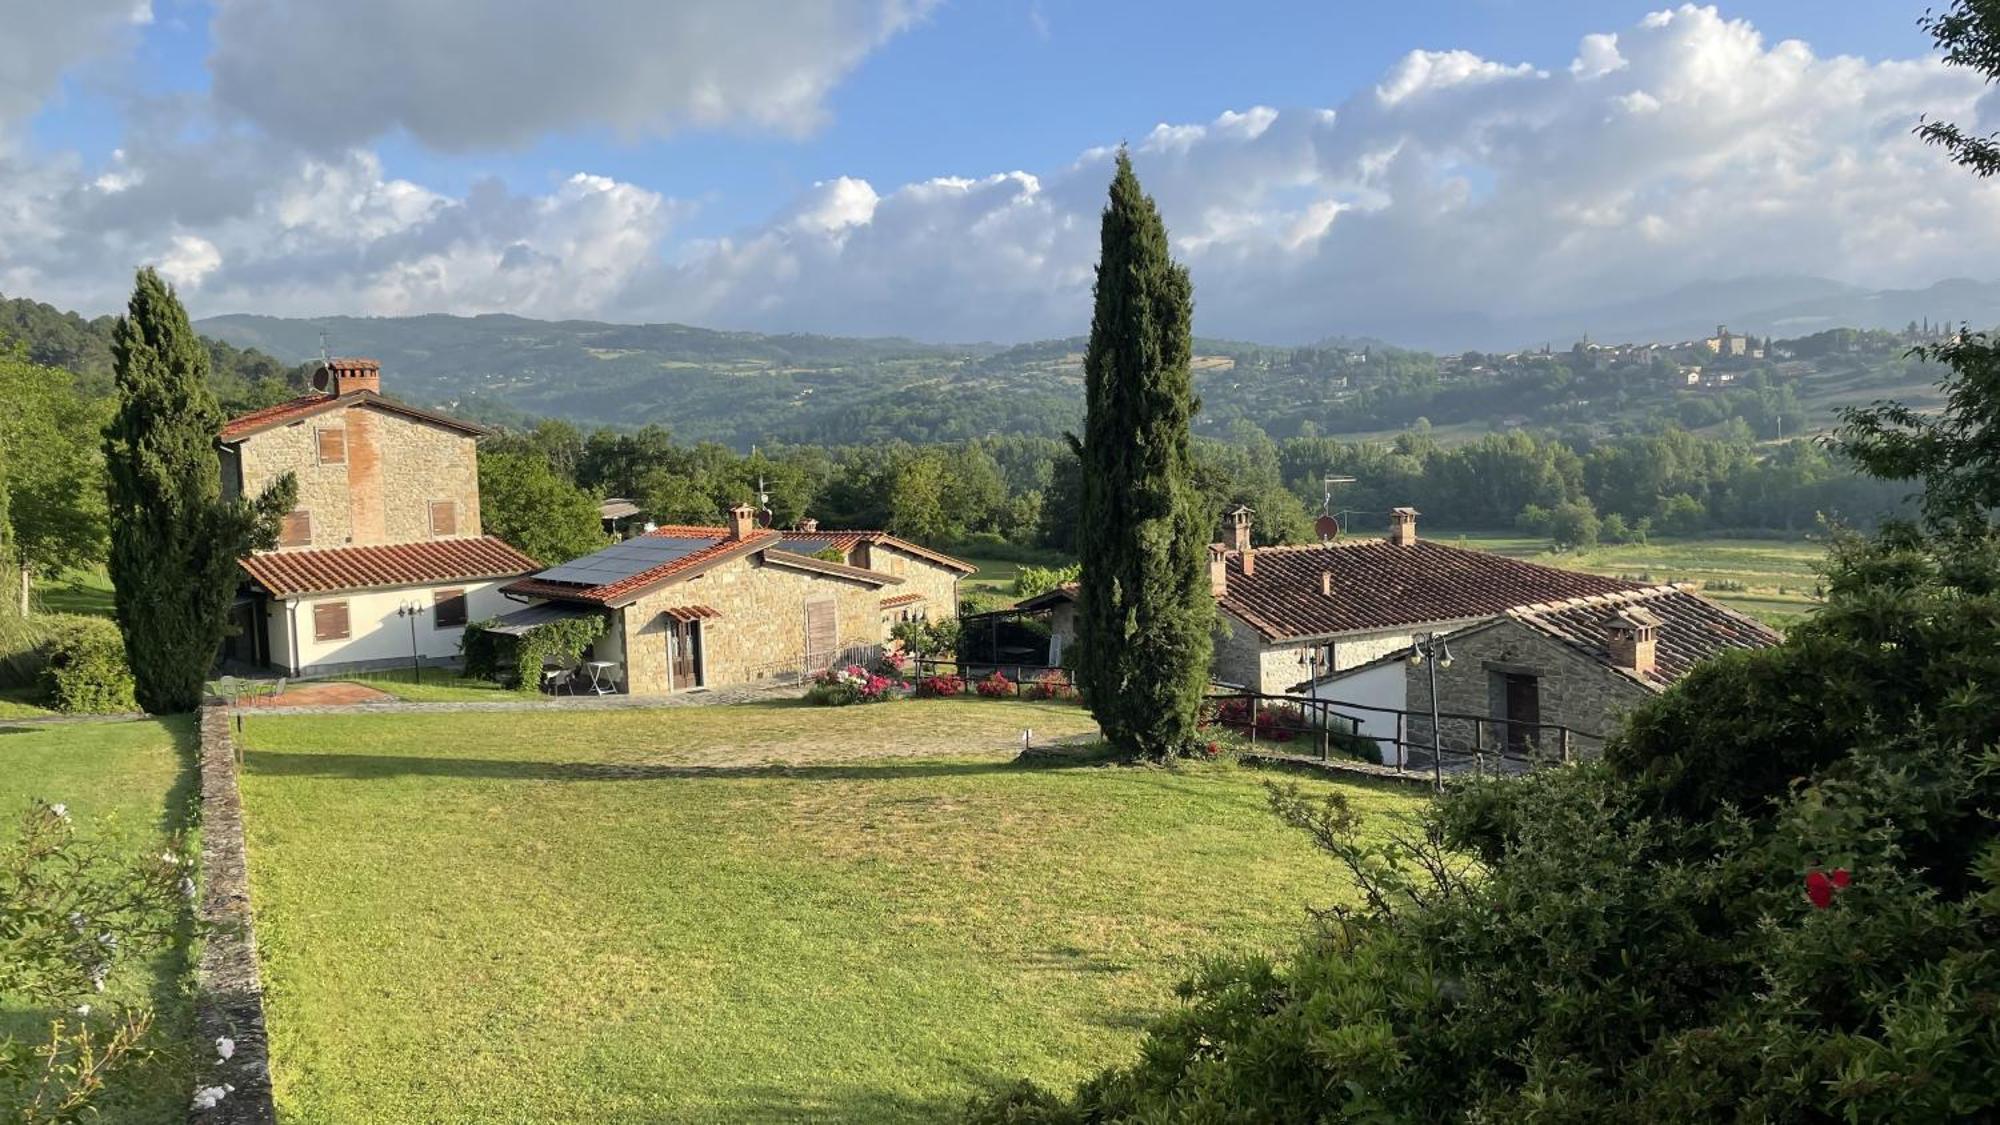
[376,635]
[1384,685]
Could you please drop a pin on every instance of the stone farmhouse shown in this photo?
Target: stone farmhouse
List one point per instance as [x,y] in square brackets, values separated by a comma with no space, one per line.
[700,607]
[1575,663]
[385,537]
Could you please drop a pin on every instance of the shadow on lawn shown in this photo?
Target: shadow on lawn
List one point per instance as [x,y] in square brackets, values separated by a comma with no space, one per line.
[364,766]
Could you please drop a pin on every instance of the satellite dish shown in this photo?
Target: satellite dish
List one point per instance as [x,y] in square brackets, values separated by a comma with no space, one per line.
[321,377]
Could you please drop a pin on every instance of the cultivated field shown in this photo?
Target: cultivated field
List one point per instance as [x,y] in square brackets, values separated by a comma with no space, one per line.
[127,785]
[758,913]
[1775,580]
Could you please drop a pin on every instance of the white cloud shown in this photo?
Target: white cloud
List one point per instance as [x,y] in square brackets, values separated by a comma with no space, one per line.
[42,39]
[471,74]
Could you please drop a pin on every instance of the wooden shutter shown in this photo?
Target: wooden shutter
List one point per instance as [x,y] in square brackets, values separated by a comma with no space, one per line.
[448,609]
[444,518]
[330,621]
[296,529]
[332,447]
[821,634]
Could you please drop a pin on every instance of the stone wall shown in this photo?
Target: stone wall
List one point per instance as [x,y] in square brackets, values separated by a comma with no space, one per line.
[762,631]
[938,585]
[394,468]
[230,994]
[1575,692]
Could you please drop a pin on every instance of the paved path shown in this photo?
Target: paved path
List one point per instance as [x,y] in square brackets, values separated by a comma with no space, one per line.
[329,694]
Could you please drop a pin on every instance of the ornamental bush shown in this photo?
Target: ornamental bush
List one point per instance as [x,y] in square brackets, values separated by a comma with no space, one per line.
[995,686]
[842,687]
[84,669]
[1051,685]
[940,687]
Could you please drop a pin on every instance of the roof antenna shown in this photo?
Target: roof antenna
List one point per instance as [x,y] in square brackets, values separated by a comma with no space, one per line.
[764,512]
[1327,526]
[323,357]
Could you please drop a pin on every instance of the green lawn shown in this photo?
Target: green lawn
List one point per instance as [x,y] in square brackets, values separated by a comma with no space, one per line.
[130,785]
[1772,579]
[766,912]
[996,576]
[75,591]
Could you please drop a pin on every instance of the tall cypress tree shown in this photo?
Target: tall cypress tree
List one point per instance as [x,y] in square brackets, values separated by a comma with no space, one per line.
[1144,611]
[175,541]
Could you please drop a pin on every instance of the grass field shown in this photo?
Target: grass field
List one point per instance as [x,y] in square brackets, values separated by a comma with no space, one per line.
[756,913]
[437,685]
[1771,579]
[128,785]
[996,576]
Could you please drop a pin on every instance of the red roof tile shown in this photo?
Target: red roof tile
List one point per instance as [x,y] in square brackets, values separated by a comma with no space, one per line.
[691,612]
[1690,629]
[305,406]
[1380,585]
[901,600]
[286,573]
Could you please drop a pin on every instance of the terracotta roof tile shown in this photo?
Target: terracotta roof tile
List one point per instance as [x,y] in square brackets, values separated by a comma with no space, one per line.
[287,573]
[898,601]
[1377,584]
[1690,628]
[691,612]
[305,406]
[625,589]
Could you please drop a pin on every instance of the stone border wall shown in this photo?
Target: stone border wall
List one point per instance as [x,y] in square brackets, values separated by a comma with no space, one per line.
[230,996]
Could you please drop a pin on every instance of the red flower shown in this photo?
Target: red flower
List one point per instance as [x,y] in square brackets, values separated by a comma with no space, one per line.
[1820,886]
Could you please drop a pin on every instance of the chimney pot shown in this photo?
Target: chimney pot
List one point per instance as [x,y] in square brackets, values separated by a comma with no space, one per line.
[1218,570]
[808,524]
[742,521]
[1326,583]
[1403,526]
[1239,526]
[1249,563]
[1632,641]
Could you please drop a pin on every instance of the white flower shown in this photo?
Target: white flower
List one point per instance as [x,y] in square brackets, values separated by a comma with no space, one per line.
[60,810]
[187,886]
[208,1097]
[83,1010]
[170,859]
[225,1047]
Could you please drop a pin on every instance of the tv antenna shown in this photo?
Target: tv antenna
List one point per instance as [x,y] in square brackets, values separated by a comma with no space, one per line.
[1328,525]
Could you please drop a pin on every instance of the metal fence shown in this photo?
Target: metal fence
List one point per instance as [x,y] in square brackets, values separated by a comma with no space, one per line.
[1031,681]
[798,669]
[1477,744]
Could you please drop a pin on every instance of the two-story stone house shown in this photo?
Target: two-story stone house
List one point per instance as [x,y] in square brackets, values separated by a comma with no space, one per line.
[383,555]
[701,607]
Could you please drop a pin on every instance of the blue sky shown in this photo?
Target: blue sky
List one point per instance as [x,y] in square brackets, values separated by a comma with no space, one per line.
[693,210]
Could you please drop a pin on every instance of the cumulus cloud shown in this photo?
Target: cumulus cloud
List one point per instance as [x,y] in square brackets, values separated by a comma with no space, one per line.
[1453,197]
[471,74]
[42,39]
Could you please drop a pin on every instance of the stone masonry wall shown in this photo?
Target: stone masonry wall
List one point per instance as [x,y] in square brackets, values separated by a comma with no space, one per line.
[938,585]
[382,493]
[1576,692]
[762,631]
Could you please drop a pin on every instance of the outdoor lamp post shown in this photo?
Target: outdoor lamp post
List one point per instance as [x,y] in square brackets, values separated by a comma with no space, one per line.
[1430,652]
[413,610]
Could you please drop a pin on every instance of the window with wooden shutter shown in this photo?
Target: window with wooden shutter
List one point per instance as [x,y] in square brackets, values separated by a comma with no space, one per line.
[448,609]
[444,518]
[330,621]
[332,446]
[296,529]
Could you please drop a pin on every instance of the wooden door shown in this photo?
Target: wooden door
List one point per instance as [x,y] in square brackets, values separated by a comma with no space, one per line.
[684,641]
[1524,711]
[821,634]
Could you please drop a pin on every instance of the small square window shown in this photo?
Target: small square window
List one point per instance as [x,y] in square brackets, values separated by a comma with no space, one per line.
[296,529]
[332,446]
[330,622]
[444,518]
[448,609]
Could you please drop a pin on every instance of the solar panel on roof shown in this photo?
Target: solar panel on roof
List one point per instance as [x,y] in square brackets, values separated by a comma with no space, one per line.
[805,546]
[623,560]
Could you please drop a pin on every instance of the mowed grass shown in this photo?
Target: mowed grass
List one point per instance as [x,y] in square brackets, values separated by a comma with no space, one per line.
[1775,580]
[765,912]
[128,786]
[434,685]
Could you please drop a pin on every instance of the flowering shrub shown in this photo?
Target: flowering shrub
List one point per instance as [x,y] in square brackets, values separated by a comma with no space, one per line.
[840,687]
[1275,722]
[995,686]
[894,662]
[1051,685]
[935,687]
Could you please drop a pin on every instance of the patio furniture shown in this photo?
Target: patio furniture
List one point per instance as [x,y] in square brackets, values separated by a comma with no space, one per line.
[600,684]
[556,680]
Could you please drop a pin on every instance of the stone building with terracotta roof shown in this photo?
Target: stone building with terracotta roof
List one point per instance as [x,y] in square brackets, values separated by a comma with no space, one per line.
[691,607]
[386,533]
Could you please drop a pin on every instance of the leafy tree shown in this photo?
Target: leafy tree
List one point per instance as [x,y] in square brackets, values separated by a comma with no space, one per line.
[56,487]
[1574,526]
[1144,611]
[917,500]
[524,502]
[175,542]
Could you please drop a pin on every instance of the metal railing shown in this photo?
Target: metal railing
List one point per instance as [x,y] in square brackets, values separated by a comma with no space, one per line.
[1462,743]
[1033,681]
[800,668]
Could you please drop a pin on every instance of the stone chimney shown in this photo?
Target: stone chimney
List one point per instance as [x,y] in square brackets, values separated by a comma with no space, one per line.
[1631,638]
[808,524]
[1218,570]
[1403,526]
[1249,563]
[1239,527]
[742,521]
[345,376]
[1325,583]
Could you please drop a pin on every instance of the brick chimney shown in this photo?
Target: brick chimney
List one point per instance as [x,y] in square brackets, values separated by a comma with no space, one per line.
[808,524]
[742,521]
[1218,570]
[345,376]
[1631,638]
[1403,526]
[1325,583]
[1239,527]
